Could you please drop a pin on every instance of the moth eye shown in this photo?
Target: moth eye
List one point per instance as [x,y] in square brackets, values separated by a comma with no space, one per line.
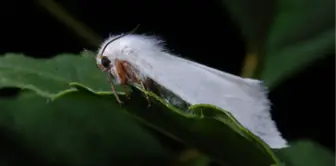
[105,62]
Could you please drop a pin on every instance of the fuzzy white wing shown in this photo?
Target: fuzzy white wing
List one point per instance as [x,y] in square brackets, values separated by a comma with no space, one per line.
[245,99]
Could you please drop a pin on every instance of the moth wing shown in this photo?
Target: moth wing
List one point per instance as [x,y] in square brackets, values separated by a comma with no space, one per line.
[245,99]
[251,86]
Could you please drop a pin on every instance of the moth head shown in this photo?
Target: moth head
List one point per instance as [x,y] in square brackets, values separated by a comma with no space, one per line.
[105,59]
[105,62]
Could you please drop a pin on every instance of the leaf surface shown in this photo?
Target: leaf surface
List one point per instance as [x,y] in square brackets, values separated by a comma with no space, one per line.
[76,129]
[214,132]
[49,77]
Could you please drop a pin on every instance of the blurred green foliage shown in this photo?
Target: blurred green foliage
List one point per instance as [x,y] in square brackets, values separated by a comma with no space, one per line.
[306,153]
[286,35]
[81,126]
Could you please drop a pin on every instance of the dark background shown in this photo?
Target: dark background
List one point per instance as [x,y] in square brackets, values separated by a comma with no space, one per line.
[303,106]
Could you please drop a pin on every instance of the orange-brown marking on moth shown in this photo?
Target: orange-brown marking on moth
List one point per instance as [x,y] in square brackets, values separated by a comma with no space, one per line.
[130,72]
[127,74]
[120,70]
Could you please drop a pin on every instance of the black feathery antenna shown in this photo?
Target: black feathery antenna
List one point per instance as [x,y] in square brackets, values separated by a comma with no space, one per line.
[123,35]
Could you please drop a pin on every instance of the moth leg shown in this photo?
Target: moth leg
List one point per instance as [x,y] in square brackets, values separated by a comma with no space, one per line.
[109,80]
[122,73]
[132,75]
[147,97]
[126,91]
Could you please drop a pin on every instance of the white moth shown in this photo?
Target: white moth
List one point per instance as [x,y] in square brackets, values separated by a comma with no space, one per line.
[144,57]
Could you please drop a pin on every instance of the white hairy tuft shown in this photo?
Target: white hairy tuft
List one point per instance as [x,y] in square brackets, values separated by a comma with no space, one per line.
[246,99]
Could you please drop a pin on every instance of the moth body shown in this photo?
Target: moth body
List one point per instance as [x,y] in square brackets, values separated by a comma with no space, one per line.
[246,99]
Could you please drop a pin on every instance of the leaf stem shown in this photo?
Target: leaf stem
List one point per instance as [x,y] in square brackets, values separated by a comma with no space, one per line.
[254,60]
[250,65]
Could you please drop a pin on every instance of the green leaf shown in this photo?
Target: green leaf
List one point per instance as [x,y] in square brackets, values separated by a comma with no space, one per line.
[306,153]
[48,77]
[290,33]
[78,129]
[214,132]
